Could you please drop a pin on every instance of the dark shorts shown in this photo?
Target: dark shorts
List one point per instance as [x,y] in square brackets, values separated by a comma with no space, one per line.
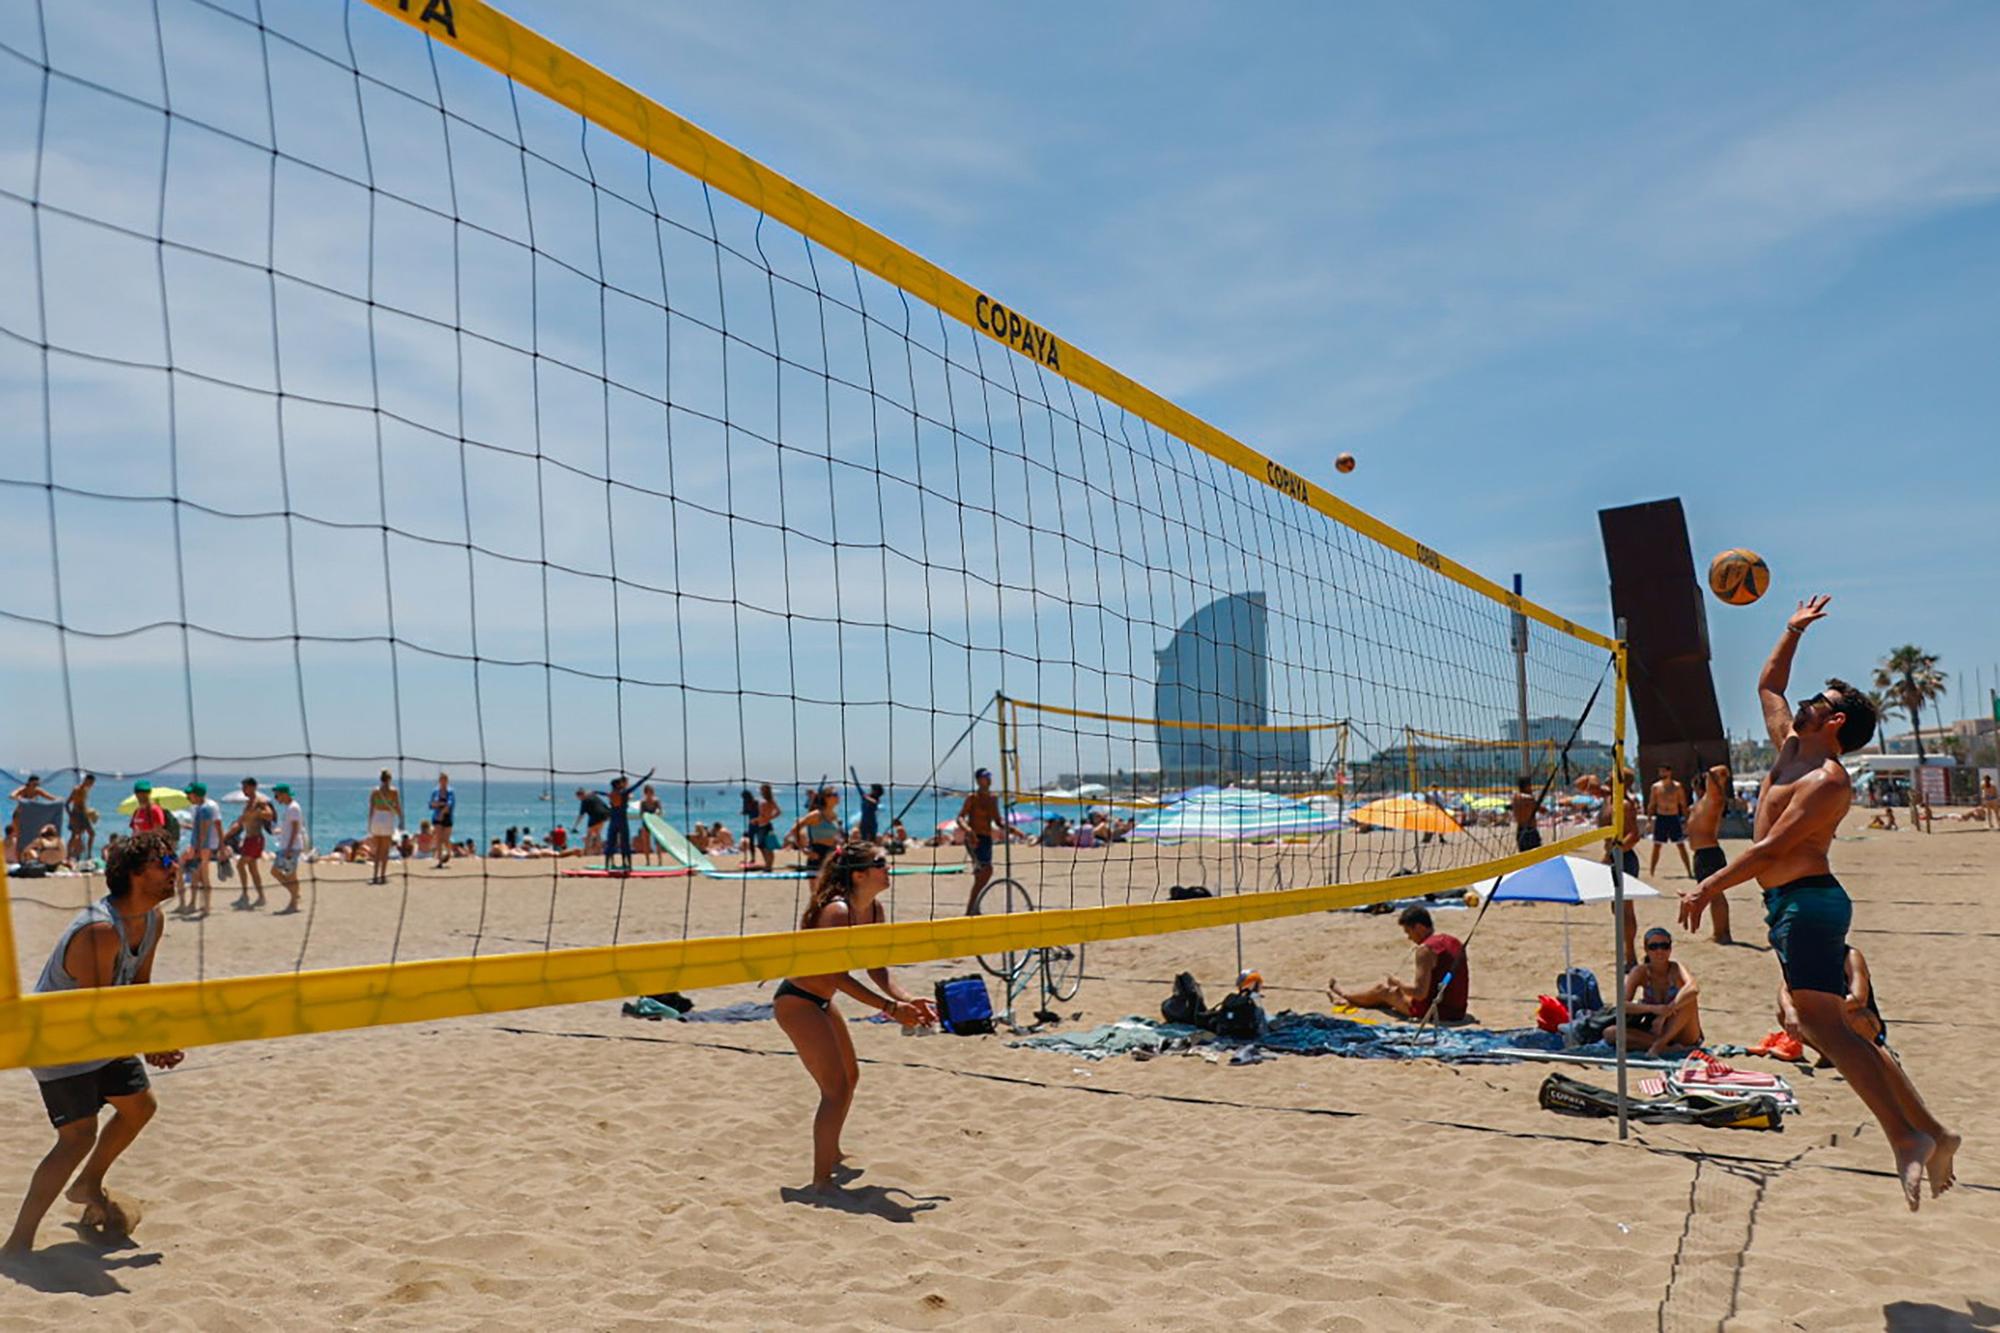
[787,987]
[982,851]
[445,822]
[1669,828]
[1708,860]
[1809,919]
[82,1096]
[1526,837]
[1630,860]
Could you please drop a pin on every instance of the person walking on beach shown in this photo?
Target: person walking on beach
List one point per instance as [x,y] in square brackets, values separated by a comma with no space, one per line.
[291,845]
[1667,802]
[1799,809]
[82,820]
[1625,851]
[444,806]
[766,826]
[979,820]
[1704,824]
[204,844]
[249,830]
[1989,802]
[1526,807]
[148,816]
[110,943]
[847,893]
[385,816]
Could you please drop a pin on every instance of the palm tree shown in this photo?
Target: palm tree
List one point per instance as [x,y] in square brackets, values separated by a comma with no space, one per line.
[1886,707]
[1911,678]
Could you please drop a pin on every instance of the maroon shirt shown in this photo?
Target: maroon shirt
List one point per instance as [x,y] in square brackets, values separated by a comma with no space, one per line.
[1450,958]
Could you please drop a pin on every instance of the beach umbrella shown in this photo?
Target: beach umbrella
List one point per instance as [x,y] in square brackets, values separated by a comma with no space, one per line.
[1237,814]
[167,798]
[1406,812]
[1569,880]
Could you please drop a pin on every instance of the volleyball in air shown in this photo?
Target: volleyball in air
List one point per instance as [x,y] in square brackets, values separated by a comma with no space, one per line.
[1738,577]
[1344,463]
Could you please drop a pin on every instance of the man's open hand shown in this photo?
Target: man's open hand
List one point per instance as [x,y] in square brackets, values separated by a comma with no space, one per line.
[1811,609]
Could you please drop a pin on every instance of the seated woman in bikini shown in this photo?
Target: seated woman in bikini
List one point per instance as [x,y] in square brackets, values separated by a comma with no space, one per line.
[1660,998]
[847,893]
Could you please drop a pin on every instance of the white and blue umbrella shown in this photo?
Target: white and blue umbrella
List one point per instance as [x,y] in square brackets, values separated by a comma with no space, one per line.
[1569,880]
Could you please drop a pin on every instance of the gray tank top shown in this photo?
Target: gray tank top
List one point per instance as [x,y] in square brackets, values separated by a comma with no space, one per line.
[124,971]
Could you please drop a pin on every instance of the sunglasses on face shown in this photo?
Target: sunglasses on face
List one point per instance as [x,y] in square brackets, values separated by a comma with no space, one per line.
[1817,701]
[169,861]
[1662,946]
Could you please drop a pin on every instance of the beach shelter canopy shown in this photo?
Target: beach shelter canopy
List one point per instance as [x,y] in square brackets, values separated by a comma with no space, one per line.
[1236,813]
[1566,879]
[1406,812]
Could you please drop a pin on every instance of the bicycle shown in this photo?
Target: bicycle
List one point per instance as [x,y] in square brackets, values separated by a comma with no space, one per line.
[1061,965]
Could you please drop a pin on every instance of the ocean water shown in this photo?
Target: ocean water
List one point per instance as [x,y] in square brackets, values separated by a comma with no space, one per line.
[336,808]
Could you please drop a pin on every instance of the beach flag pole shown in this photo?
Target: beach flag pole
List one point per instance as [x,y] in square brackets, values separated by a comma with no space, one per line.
[1618,884]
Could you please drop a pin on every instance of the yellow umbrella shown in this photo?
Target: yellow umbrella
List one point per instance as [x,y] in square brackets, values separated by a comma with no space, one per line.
[167,798]
[1405,812]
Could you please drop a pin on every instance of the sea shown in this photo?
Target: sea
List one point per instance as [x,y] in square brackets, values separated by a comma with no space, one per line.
[336,808]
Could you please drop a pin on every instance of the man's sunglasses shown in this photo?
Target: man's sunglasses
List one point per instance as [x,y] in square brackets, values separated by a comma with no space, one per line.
[1818,701]
[169,861]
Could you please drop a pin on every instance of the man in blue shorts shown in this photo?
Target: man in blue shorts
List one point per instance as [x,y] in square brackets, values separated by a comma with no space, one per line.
[1667,803]
[1799,809]
[979,821]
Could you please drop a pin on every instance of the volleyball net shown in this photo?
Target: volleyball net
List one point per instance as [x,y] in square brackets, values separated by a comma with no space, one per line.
[394,391]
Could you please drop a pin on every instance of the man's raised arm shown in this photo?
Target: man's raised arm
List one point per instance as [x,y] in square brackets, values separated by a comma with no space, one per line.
[1777,672]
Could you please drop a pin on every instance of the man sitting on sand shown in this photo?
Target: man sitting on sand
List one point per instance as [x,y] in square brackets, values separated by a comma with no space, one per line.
[1440,971]
[1660,1006]
[110,943]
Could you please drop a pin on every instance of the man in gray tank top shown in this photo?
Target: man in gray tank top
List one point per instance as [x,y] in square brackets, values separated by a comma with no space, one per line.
[109,943]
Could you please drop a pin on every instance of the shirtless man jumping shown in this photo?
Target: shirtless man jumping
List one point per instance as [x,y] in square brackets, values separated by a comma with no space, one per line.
[1667,803]
[1798,811]
[1704,826]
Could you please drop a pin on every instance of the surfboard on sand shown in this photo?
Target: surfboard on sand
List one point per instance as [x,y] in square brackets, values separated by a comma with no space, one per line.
[671,841]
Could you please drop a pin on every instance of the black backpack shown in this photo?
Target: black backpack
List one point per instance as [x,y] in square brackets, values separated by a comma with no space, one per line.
[1185,1005]
[1239,1015]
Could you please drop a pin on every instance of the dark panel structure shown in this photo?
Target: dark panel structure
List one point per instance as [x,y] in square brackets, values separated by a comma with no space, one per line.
[1656,588]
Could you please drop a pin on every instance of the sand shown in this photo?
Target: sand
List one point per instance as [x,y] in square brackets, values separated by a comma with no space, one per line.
[572,1168]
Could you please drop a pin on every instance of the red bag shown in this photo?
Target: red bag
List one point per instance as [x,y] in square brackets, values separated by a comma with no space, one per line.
[1551,1014]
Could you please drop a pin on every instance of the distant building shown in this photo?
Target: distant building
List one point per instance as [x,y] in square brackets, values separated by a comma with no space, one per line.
[1216,671]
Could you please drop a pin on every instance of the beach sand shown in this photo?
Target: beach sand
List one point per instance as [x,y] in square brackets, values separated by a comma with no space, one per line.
[572,1168]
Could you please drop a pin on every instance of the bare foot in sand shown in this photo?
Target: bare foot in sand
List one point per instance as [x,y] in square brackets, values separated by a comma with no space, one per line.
[113,1214]
[1334,993]
[1911,1158]
[1939,1166]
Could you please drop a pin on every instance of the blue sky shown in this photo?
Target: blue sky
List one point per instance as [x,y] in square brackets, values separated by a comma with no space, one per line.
[1523,262]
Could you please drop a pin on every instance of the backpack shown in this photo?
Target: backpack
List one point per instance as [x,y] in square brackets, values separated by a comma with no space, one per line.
[1186,1005]
[964,1008]
[1577,988]
[1239,1015]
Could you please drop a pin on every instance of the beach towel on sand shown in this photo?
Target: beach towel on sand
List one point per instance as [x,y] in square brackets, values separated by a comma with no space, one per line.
[1305,1034]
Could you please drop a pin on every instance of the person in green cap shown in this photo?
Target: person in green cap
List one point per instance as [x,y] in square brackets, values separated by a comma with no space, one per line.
[148,817]
[204,843]
[291,844]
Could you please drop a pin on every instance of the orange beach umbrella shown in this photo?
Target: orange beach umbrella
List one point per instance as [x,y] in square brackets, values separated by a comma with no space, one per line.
[1405,812]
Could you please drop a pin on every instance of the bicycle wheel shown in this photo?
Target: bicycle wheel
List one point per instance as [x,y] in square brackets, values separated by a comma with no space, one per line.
[1065,964]
[1004,895]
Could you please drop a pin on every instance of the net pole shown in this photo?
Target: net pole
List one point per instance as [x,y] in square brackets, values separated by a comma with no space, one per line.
[1618,874]
[10,966]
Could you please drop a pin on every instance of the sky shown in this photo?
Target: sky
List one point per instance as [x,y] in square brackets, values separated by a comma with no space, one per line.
[1521,265]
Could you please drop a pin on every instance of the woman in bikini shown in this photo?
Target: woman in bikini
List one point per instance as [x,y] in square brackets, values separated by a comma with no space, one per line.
[1660,998]
[385,813]
[847,893]
[818,830]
